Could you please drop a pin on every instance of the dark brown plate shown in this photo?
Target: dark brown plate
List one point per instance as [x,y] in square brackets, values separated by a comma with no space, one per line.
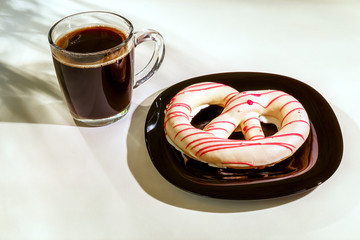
[311,165]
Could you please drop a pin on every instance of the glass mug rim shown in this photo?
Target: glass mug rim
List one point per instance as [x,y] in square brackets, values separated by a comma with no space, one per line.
[102,52]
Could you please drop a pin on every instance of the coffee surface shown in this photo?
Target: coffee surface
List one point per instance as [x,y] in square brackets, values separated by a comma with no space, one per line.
[91,39]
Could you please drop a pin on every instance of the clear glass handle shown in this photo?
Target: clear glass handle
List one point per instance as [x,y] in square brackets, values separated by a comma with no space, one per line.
[157,57]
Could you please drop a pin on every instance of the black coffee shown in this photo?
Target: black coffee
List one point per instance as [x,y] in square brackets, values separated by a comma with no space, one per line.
[100,90]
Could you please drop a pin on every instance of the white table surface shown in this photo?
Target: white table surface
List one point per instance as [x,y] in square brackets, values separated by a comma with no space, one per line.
[61,181]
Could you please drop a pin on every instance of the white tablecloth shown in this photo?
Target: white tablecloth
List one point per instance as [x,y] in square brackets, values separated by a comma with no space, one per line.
[61,181]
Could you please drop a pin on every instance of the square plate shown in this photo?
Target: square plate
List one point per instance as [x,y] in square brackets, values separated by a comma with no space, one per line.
[311,165]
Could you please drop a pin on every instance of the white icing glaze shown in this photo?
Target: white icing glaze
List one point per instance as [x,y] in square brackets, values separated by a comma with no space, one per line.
[242,112]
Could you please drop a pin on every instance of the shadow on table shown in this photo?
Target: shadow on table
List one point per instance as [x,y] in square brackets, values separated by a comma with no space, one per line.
[156,186]
[27,98]
[29,93]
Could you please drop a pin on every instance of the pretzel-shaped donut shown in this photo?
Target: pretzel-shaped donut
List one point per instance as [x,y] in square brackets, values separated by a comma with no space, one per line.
[242,112]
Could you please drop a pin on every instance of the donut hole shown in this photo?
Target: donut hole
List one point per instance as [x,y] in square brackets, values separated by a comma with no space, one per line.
[270,125]
[269,129]
[237,136]
[204,114]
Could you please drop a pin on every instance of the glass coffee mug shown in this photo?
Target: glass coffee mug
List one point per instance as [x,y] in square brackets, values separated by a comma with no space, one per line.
[93,55]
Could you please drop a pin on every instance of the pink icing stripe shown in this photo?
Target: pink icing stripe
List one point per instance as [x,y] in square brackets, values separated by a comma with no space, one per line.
[185,129]
[214,128]
[211,148]
[211,141]
[205,138]
[216,147]
[230,95]
[288,103]
[290,134]
[177,112]
[252,127]
[182,124]
[252,118]
[276,98]
[303,121]
[250,102]
[290,112]
[180,115]
[236,105]
[251,94]
[194,134]
[180,105]
[213,123]
[236,98]
[257,137]
[201,85]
